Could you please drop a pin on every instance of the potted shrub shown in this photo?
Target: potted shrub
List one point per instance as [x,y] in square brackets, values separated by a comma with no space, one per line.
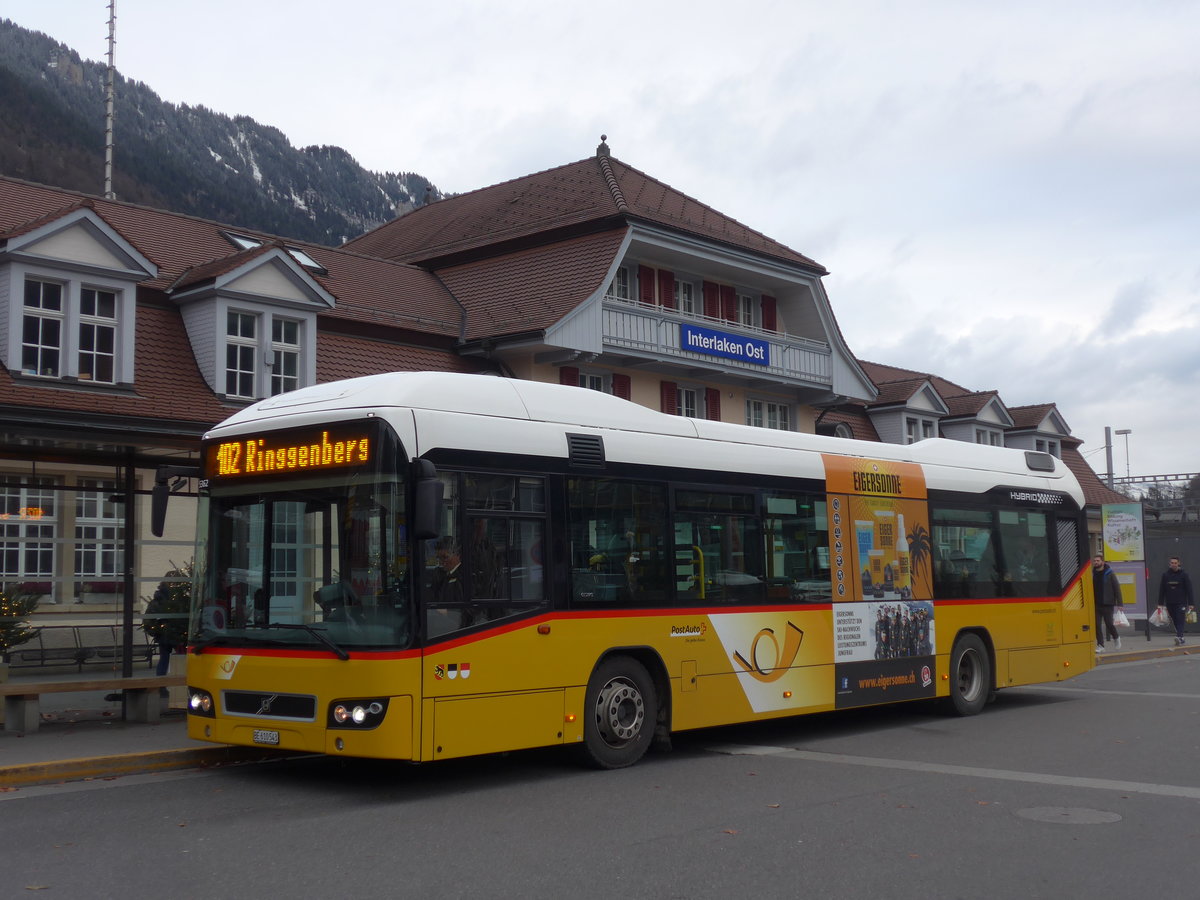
[17,603]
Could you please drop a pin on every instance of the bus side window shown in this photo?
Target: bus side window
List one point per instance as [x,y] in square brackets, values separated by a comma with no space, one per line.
[617,535]
[967,565]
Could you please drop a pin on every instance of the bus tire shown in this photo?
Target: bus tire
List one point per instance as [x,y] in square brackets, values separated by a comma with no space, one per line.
[970,676]
[620,712]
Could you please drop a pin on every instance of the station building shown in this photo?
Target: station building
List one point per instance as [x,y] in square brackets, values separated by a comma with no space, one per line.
[126,332]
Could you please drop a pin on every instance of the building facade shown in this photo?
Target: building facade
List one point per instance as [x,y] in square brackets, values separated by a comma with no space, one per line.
[127,332]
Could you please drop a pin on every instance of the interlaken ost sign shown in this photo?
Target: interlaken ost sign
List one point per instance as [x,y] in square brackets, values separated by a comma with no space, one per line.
[720,343]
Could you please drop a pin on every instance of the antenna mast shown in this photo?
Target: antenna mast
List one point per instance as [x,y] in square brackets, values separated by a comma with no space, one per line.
[108,101]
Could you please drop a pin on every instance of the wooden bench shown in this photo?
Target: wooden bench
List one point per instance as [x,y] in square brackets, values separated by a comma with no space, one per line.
[22,699]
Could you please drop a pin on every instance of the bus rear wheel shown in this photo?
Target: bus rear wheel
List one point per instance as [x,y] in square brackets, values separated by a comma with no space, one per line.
[970,676]
[620,712]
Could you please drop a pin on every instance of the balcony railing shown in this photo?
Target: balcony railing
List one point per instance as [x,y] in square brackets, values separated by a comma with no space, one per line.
[654,330]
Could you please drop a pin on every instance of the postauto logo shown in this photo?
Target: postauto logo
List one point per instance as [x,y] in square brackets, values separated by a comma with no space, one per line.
[699,629]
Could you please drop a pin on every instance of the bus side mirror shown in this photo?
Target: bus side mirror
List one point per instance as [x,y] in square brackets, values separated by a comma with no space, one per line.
[427,511]
[161,493]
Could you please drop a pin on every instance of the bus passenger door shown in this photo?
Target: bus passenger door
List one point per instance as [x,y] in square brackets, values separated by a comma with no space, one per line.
[1078,605]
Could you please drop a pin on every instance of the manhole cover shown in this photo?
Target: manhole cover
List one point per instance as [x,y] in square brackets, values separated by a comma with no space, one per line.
[1069,815]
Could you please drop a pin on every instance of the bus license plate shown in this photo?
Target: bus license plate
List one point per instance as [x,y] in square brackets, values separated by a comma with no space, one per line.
[262,736]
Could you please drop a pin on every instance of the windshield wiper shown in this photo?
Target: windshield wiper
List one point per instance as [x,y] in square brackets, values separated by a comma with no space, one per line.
[315,632]
[209,638]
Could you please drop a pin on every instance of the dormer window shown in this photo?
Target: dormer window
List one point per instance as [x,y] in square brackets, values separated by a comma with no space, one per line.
[1050,447]
[72,331]
[42,329]
[241,346]
[285,355]
[917,429]
[988,436]
[97,335]
[277,340]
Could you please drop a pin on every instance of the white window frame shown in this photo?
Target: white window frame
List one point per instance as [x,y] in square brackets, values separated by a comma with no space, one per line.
[1047,446]
[748,309]
[618,288]
[99,531]
[285,355]
[47,318]
[72,357]
[29,529]
[269,366]
[989,437]
[768,414]
[914,424]
[595,381]
[242,367]
[685,297]
[93,358]
[685,395]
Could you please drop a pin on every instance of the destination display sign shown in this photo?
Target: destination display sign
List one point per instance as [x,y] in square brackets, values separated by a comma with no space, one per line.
[295,451]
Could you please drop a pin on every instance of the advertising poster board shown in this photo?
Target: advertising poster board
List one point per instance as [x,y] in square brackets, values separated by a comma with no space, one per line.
[883,617]
[1124,534]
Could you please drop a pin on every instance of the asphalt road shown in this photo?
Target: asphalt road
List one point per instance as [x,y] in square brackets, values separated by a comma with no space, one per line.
[1086,789]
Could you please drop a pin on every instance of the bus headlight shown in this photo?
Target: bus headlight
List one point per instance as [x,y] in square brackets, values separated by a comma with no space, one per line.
[367,713]
[200,703]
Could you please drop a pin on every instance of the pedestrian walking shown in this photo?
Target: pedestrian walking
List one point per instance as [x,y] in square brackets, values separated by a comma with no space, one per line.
[1107,591]
[1175,592]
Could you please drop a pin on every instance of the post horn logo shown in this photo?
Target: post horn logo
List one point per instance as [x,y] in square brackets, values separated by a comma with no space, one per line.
[765,670]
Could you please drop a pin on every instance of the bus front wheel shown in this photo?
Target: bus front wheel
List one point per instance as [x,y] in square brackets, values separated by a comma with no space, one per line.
[620,711]
[970,676]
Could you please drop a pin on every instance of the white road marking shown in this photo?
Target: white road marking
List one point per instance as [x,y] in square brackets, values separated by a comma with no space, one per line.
[1102,784]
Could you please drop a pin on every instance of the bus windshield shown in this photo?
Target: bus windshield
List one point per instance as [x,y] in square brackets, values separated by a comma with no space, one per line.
[305,560]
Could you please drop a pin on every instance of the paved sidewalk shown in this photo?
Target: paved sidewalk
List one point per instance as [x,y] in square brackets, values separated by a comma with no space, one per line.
[82,735]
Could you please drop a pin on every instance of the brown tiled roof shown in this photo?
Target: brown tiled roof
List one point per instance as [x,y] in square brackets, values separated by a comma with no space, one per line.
[400,302]
[892,392]
[592,193]
[532,289]
[167,383]
[860,424]
[341,356]
[882,374]
[1030,416]
[367,290]
[969,404]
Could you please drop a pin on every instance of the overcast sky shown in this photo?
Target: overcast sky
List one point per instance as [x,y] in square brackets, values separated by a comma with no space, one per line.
[1006,194]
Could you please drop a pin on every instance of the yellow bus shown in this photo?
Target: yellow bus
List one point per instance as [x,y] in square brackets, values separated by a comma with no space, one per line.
[423,566]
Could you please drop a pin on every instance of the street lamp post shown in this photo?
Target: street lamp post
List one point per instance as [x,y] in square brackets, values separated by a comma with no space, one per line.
[1126,432]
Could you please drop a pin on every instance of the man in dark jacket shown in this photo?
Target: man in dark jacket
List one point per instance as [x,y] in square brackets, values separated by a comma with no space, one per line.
[1175,592]
[1107,591]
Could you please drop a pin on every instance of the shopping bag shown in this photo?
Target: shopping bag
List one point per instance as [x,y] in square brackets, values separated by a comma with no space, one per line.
[1119,617]
[1191,615]
[1159,616]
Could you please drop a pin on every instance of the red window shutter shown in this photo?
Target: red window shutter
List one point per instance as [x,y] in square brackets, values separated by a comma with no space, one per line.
[622,386]
[569,375]
[666,288]
[646,284]
[769,321]
[670,398]
[712,300]
[712,404]
[728,303]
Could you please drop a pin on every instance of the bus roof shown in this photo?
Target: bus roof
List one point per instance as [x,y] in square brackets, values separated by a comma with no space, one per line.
[563,405]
